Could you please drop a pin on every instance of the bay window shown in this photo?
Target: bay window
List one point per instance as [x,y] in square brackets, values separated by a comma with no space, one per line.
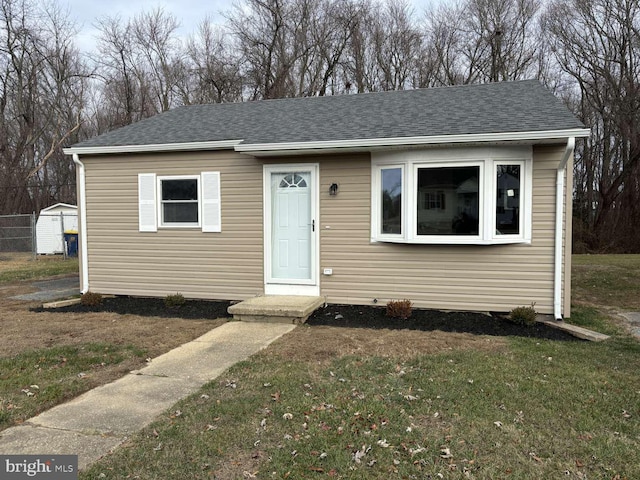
[453,196]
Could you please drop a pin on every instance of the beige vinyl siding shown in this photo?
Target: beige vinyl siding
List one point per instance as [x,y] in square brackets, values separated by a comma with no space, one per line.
[229,265]
[462,277]
[122,260]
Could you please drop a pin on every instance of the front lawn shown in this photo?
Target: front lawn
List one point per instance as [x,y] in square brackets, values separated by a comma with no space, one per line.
[332,402]
[531,409]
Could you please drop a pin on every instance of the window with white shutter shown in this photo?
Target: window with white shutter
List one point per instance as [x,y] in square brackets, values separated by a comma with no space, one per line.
[179,201]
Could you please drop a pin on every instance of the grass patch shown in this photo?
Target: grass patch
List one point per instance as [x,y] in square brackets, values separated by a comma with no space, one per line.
[593,319]
[36,380]
[26,268]
[538,409]
[607,280]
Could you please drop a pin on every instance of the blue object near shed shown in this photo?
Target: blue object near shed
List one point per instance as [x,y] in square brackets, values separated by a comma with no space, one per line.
[71,242]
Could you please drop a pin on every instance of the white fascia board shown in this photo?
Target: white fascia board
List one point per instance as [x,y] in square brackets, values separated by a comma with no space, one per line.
[158,147]
[369,143]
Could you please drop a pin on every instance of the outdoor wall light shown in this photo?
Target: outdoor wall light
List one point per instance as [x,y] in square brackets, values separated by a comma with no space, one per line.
[333,189]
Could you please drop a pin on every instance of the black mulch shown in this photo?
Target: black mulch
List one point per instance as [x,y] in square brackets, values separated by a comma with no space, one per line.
[353,316]
[150,307]
[428,320]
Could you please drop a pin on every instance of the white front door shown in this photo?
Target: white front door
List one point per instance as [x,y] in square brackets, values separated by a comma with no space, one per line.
[290,230]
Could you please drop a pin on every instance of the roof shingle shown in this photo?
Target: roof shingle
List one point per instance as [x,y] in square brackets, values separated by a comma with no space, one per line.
[521,106]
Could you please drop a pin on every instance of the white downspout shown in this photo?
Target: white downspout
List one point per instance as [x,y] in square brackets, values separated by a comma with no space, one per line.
[82,238]
[558,259]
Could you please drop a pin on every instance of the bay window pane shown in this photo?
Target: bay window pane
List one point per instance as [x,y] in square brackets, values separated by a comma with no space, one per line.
[391,200]
[448,201]
[508,199]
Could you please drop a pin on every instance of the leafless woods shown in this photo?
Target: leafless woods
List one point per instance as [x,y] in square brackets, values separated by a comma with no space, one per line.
[52,94]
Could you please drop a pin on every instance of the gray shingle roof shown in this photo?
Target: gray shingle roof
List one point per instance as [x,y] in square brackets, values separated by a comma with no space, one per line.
[521,106]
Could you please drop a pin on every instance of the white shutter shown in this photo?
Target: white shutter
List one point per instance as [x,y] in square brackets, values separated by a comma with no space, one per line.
[147,218]
[211,213]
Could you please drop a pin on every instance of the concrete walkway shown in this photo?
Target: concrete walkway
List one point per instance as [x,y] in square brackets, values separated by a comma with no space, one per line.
[98,421]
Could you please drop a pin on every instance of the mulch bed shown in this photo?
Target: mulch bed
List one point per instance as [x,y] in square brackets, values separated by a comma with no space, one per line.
[353,316]
[150,307]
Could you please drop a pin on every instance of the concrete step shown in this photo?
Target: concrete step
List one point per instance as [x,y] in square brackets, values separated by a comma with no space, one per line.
[276,309]
[574,330]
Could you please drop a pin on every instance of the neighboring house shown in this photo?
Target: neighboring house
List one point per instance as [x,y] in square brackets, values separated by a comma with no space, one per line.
[52,222]
[453,197]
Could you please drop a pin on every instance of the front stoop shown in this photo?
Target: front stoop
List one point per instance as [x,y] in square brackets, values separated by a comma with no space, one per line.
[276,309]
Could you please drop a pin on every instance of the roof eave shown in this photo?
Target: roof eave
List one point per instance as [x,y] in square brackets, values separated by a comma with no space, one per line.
[359,144]
[370,144]
[158,147]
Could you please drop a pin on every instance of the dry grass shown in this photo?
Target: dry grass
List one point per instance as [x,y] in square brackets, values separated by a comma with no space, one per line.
[46,329]
[26,331]
[16,267]
[14,260]
[325,344]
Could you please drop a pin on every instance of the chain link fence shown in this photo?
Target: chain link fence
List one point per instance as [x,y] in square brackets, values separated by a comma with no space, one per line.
[18,233]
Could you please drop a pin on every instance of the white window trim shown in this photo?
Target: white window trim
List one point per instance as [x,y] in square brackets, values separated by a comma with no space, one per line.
[487,157]
[376,214]
[413,212]
[179,225]
[526,202]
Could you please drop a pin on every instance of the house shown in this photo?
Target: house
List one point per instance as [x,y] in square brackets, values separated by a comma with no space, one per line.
[52,222]
[454,197]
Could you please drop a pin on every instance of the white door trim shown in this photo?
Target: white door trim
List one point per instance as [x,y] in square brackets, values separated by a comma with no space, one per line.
[291,287]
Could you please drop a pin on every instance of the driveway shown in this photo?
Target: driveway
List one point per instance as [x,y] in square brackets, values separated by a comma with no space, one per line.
[55,289]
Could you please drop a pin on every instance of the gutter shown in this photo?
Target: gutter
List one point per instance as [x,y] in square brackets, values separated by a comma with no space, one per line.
[153,147]
[82,238]
[558,259]
[367,144]
[353,145]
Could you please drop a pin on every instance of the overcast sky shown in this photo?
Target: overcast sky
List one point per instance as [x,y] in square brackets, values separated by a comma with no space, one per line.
[188,12]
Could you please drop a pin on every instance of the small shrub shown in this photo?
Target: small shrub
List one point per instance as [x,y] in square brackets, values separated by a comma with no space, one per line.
[399,309]
[91,299]
[174,301]
[523,315]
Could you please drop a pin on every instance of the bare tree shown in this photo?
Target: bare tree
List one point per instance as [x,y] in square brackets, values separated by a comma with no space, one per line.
[397,43]
[41,98]
[360,64]
[140,65]
[484,40]
[267,34]
[154,37]
[124,97]
[214,67]
[330,28]
[597,42]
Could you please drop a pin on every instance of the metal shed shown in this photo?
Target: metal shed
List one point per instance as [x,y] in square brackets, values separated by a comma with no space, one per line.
[51,225]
